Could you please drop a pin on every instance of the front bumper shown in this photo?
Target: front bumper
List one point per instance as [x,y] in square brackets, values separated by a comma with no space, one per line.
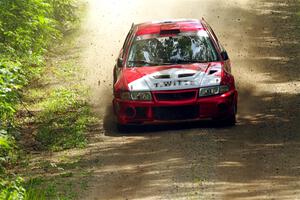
[155,112]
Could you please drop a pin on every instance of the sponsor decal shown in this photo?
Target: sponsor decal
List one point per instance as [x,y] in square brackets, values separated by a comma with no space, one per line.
[175,83]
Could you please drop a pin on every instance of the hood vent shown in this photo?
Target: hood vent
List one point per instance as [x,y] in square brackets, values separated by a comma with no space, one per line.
[169,29]
[212,71]
[185,75]
[162,76]
[170,32]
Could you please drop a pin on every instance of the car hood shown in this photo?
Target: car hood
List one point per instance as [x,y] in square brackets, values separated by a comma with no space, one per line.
[172,77]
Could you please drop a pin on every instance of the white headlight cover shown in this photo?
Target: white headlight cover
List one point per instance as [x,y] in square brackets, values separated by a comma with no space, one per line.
[141,96]
[136,96]
[213,90]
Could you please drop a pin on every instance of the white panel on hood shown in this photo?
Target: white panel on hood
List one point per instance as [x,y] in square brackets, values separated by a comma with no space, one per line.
[152,82]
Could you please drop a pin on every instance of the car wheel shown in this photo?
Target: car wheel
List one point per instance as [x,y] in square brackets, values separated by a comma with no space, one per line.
[123,128]
[231,120]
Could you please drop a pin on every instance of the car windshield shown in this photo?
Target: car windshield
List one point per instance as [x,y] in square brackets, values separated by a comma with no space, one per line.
[188,47]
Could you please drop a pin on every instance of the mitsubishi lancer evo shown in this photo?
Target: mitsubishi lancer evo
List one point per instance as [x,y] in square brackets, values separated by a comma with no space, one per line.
[173,71]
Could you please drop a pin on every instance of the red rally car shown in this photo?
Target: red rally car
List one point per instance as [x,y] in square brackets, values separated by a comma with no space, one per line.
[173,70]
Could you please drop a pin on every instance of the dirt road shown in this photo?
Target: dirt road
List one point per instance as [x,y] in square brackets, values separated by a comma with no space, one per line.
[257,159]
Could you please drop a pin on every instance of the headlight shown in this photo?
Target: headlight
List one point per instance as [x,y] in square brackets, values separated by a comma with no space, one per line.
[136,96]
[142,96]
[208,91]
[213,90]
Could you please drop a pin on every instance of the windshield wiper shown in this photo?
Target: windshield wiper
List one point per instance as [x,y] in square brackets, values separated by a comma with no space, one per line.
[180,61]
[144,62]
[141,62]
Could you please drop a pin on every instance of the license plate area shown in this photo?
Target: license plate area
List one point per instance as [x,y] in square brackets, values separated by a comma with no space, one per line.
[176,112]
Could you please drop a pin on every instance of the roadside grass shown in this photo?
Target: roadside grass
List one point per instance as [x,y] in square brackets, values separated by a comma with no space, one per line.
[43,107]
[60,113]
[61,181]
[64,118]
[55,117]
[41,189]
[57,111]
[60,120]
[11,188]
[7,150]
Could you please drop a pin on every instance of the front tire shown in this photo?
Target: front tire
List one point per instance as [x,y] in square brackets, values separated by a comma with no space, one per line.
[123,128]
[229,120]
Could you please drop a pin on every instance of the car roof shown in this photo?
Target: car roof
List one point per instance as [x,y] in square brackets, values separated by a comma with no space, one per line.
[155,27]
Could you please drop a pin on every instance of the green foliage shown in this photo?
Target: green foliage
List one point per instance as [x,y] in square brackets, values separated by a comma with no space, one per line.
[41,189]
[64,120]
[63,12]
[12,189]
[7,150]
[12,79]
[27,28]
[34,191]
[35,194]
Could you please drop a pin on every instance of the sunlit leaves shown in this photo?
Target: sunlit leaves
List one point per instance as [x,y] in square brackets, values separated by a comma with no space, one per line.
[27,27]
[12,189]
[11,80]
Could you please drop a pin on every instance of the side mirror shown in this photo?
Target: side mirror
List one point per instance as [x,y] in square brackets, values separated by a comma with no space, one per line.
[224,55]
[119,62]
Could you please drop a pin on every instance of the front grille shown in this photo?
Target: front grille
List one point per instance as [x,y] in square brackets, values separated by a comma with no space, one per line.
[175,96]
[176,112]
